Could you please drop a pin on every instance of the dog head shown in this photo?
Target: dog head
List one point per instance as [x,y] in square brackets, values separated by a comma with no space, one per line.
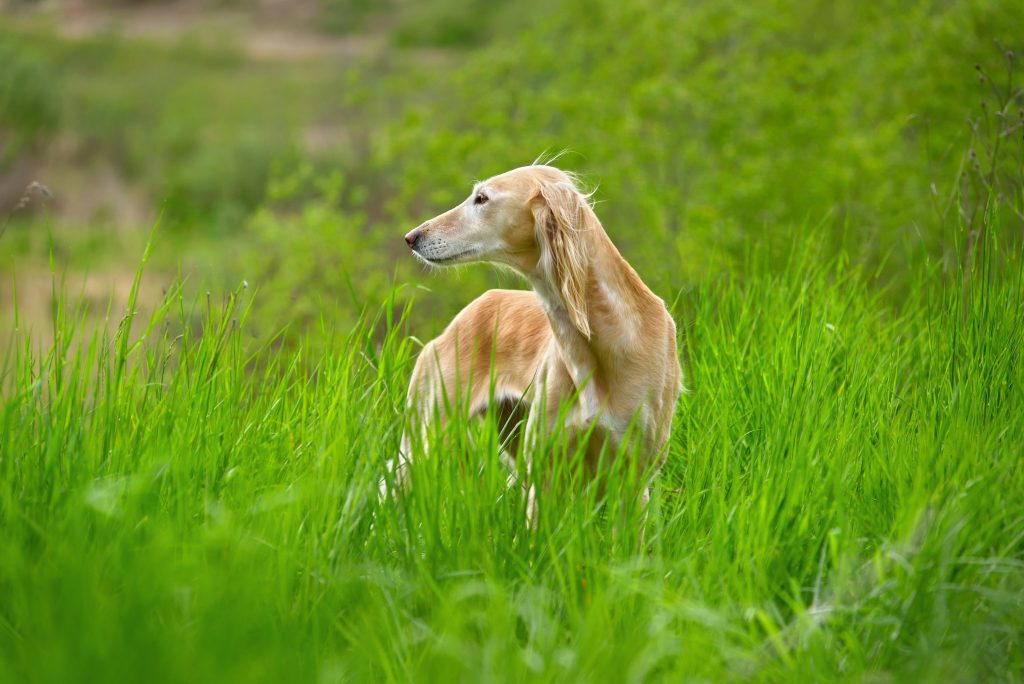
[533,219]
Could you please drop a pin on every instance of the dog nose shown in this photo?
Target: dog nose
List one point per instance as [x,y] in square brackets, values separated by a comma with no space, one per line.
[412,236]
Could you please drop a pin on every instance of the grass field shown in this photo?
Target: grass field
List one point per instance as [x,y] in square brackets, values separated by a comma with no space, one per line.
[829,195]
[842,501]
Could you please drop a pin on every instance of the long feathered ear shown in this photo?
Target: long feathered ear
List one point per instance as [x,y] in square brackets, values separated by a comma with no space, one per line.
[562,219]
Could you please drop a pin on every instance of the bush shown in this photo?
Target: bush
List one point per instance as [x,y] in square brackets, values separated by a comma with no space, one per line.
[29,98]
[713,125]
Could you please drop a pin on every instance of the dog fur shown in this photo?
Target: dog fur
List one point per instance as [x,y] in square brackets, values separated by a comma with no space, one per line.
[590,333]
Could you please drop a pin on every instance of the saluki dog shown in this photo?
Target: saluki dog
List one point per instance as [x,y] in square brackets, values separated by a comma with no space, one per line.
[590,333]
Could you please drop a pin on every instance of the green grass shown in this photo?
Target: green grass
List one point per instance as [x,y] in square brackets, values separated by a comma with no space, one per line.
[191,495]
[841,502]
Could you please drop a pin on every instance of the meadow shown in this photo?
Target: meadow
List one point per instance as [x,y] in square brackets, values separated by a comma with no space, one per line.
[830,197]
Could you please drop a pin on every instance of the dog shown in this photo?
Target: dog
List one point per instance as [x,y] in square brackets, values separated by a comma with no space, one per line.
[590,334]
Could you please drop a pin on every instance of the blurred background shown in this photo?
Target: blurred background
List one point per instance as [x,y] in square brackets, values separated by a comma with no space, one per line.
[290,144]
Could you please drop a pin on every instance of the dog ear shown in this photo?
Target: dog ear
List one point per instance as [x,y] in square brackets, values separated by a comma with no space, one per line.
[562,217]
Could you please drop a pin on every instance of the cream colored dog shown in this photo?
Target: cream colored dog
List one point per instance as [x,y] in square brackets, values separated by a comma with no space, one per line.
[590,332]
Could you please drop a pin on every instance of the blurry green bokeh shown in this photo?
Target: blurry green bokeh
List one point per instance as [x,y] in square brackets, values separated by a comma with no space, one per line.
[705,128]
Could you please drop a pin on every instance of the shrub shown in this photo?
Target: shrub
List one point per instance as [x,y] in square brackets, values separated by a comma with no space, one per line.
[29,97]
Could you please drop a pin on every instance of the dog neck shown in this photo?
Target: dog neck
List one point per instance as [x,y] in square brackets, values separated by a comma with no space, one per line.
[615,299]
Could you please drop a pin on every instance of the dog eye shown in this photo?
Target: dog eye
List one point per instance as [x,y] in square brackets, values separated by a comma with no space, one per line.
[480,198]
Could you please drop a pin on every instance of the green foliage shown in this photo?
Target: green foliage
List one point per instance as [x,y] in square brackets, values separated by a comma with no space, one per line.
[840,502]
[439,23]
[28,95]
[191,123]
[458,23]
[709,128]
[705,127]
[346,16]
[710,124]
[331,267]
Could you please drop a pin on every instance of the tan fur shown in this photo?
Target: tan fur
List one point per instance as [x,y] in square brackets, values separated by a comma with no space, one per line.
[590,329]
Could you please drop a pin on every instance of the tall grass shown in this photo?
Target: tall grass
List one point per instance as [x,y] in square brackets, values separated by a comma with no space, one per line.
[841,501]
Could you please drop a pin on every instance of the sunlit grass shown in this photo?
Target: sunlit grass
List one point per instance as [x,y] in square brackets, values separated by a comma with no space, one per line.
[842,497]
